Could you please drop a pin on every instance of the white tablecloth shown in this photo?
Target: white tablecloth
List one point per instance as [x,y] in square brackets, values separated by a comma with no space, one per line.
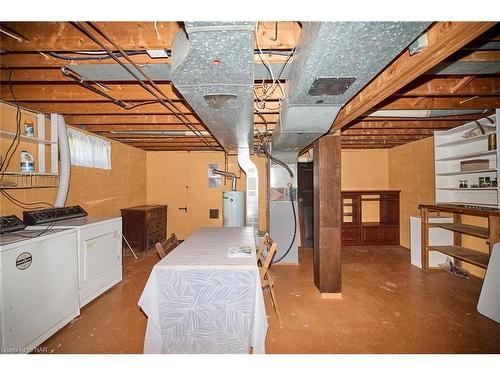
[199,300]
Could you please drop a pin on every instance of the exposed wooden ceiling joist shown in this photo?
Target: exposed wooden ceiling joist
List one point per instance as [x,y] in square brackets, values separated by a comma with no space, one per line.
[459,118]
[438,86]
[406,125]
[443,102]
[40,60]
[387,131]
[183,149]
[381,137]
[72,91]
[151,127]
[138,127]
[76,92]
[406,84]
[167,140]
[139,119]
[444,38]
[63,36]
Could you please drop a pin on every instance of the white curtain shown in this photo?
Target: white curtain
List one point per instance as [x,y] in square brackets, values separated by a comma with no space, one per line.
[88,150]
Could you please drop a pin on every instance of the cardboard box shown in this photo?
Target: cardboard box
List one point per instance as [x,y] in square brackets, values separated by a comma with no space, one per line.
[474,165]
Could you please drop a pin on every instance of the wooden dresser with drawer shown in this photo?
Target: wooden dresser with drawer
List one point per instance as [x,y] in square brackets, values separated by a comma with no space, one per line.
[143,226]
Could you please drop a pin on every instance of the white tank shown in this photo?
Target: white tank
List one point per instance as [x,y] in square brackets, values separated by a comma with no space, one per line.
[234,208]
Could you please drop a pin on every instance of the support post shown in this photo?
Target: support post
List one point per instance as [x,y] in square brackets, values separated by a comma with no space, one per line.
[494,231]
[327,216]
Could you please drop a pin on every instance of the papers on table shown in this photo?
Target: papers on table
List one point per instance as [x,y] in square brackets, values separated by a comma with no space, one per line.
[239,251]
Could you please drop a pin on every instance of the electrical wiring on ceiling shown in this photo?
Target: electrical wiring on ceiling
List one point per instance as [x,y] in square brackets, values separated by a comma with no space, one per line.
[136,73]
[102,55]
[269,89]
[17,137]
[91,55]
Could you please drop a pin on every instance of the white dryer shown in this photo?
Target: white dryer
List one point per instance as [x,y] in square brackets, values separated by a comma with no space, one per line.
[38,286]
[99,253]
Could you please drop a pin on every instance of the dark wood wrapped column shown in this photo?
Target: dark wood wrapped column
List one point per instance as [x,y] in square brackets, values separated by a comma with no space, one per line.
[327,216]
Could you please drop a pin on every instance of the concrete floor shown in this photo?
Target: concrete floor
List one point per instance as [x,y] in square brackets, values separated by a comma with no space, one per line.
[387,306]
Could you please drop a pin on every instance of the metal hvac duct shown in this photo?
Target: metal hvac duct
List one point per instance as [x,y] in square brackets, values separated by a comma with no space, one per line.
[332,62]
[212,67]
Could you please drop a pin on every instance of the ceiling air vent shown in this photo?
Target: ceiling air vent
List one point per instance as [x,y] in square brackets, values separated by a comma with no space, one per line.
[330,86]
[218,101]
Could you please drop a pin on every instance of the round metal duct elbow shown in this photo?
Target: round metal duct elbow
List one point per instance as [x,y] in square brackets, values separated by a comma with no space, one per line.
[65,162]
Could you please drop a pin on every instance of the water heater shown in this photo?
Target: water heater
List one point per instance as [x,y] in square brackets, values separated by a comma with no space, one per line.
[234,208]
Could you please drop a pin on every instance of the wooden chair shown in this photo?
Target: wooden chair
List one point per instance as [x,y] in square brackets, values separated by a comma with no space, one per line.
[165,247]
[265,262]
[265,245]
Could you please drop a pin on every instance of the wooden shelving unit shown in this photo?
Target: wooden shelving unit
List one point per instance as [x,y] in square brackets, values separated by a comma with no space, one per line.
[41,145]
[470,230]
[454,147]
[491,234]
[464,254]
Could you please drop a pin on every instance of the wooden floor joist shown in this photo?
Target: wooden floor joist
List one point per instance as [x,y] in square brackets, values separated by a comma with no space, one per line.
[64,36]
[409,82]
[442,102]
[444,38]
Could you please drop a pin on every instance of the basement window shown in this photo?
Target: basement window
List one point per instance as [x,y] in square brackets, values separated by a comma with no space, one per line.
[88,150]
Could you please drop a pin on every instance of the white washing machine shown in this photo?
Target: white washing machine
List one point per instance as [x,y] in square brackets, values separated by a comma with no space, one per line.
[99,253]
[38,286]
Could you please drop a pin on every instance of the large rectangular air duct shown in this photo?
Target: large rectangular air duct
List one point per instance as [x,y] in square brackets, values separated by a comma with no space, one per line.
[332,62]
[212,67]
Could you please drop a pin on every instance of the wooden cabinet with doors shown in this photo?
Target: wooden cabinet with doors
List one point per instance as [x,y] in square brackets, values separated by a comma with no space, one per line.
[143,226]
[370,217]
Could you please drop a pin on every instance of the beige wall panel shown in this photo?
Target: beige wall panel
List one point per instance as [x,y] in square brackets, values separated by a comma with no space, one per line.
[180,179]
[365,170]
[411,170]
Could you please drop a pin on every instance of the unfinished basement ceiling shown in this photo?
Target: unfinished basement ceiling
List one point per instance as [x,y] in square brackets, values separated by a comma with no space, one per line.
[33,53]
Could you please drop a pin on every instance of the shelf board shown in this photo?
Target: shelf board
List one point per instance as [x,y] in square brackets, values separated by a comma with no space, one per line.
[469,155]
[461,204]
[467,255]
[26,138]
[469,189]
[465,172]
[470,230]
[28,174]
[464,140]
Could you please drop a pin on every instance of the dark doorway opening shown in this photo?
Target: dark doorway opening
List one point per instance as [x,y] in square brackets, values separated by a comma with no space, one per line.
[305,204]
